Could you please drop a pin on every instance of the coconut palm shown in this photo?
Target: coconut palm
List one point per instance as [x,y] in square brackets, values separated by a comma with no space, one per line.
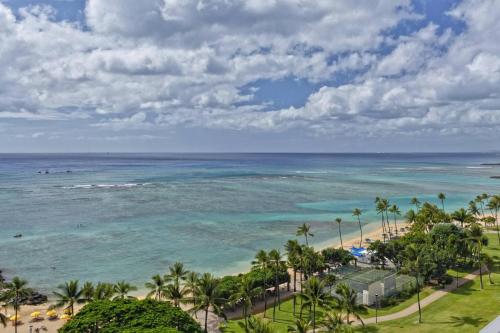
[494,206]
[480,200]
[262,262]
[208,296]
[103,291]
[192,280]
[122,289]
[339,221]
[276,261]
[246,291]
[473,209]
[384,203]
[489,262]
[301,326]
[305,230]
[88,291]
[69,295]
[293,252]
[416,202]
[380,210]
[411,216]
[333,323]
[345,300]
[476,240]
[257,325]
[177,272]
[357,212]
[175,293]
[394,209]
[156,287]
[417,262]
[462,216]
[15,290]
[313,295]
[442,197]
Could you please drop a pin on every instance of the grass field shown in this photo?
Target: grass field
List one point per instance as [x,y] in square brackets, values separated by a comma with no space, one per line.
[467,309]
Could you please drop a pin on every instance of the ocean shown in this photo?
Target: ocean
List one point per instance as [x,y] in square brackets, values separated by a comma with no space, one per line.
[110,217]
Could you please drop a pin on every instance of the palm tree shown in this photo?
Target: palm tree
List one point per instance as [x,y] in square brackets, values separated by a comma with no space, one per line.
[262,262]
[357,212]
[246,292]
[494,206]
[489,262]
[380,210]
[305,230]
[411,216]
[473,208]
[16,289]
[339,221]
[257,325]
[416,202]
[69,295]
[293,251]
[103,291]
[394,209]
[480,200]
[157,287]
[476,242]
[417,263]
[334,323]
[442,198]
[175,293]
[208,296]
[462,216]
[122,289]
[88,291]
[192,280]
[301,326]
[176,273]
[276,261]
[385,206]
[345,300]
[313,295]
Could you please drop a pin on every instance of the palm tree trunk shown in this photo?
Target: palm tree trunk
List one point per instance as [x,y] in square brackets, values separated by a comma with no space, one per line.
[340,233]
[481,275]
[388,224]
[418,301]
[265,292]
[307,243]
[314,318]
[360,232]
[206,319]
[395,225]
[275,294]
[15,310]
[496,223]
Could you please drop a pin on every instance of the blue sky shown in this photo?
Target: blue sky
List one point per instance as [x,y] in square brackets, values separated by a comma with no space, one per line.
[253,75]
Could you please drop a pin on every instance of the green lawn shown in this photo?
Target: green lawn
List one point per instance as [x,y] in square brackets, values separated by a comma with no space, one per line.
[284,318]
[467,309]
[370,312]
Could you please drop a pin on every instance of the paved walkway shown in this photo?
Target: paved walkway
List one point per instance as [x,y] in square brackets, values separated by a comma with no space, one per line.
[424,302]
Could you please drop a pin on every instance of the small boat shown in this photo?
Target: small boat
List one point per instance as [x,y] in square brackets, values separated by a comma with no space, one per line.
[18,236]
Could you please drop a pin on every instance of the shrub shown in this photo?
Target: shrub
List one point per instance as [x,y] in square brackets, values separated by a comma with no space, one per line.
[144,316]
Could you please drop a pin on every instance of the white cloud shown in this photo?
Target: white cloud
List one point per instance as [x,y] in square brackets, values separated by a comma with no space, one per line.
[162,63]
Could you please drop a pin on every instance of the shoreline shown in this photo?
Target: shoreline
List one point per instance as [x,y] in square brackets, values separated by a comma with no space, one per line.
[52,326]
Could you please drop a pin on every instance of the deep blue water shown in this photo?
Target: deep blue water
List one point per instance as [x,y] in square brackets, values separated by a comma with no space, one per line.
[141,212]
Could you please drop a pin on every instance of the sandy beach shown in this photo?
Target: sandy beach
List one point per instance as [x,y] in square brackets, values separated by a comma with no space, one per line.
[53,325]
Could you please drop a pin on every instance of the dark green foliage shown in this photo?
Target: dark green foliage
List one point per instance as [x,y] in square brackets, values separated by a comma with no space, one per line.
[337,256]
[131,316]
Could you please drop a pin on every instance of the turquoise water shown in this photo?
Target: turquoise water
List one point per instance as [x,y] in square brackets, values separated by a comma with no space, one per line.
[138,213]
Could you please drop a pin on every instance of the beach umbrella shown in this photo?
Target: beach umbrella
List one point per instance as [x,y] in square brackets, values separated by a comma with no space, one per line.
[14,318]
[52,314]
[65,316]
[35,315]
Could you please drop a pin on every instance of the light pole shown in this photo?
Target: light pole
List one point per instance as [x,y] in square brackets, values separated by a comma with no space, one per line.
[376,308]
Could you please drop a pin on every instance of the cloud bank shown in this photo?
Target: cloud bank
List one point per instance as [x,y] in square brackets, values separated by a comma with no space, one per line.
[153,66]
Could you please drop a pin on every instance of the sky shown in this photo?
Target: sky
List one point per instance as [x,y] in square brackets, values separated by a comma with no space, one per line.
[249,75]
